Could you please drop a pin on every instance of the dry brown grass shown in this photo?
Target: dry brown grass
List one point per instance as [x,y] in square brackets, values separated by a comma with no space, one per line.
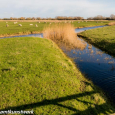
[63,34]
[111,23]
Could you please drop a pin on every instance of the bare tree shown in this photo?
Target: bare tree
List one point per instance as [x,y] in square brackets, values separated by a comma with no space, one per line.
[112,16]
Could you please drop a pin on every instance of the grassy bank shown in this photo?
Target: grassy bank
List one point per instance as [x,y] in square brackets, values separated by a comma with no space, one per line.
[26,28]
[81,24]
[104,38]
[35,74]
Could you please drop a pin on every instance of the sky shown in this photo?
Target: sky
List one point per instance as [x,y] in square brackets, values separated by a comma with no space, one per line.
[53,8]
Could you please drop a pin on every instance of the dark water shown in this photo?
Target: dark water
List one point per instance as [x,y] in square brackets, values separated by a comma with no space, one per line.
[95,64]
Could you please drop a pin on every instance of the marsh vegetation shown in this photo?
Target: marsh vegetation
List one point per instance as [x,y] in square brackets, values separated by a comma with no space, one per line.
[111,23]
[63,34]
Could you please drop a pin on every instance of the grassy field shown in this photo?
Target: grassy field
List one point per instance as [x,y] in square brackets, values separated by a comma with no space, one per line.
[80,24]
[104,38]
[15,29]
[35,74]
[26,28]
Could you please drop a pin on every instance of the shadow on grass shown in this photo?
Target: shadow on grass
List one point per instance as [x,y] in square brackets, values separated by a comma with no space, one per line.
[95,110]
[3,70]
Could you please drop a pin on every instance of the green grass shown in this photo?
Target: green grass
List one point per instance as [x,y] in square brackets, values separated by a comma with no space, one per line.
[35,74]
[15,29]
[89,23]
[26,28]
[104,38]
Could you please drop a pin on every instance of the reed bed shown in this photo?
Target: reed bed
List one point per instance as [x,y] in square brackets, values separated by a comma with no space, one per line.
[63,34]
[111,23]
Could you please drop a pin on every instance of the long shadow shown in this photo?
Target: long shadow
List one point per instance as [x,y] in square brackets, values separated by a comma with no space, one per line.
[48,102]
[101,75]
[90,111]
[97,110]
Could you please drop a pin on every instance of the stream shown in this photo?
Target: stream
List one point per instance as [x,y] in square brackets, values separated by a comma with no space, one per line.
[94,63]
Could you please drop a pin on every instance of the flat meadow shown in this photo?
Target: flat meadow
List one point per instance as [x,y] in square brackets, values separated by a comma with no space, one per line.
[15,29]
[29,27]
[81,24]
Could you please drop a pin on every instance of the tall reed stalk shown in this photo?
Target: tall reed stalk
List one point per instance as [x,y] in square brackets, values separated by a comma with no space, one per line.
[111,23]
[63,34]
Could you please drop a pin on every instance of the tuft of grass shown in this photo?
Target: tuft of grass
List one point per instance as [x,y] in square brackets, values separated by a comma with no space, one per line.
[36,75]
[63,34]
[111,23]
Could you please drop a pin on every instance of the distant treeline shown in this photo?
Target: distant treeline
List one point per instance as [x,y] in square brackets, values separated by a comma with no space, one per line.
[99,17]
[38,18]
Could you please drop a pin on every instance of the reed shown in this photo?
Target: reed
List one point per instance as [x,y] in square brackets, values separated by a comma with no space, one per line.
[63,34]
[111,23]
